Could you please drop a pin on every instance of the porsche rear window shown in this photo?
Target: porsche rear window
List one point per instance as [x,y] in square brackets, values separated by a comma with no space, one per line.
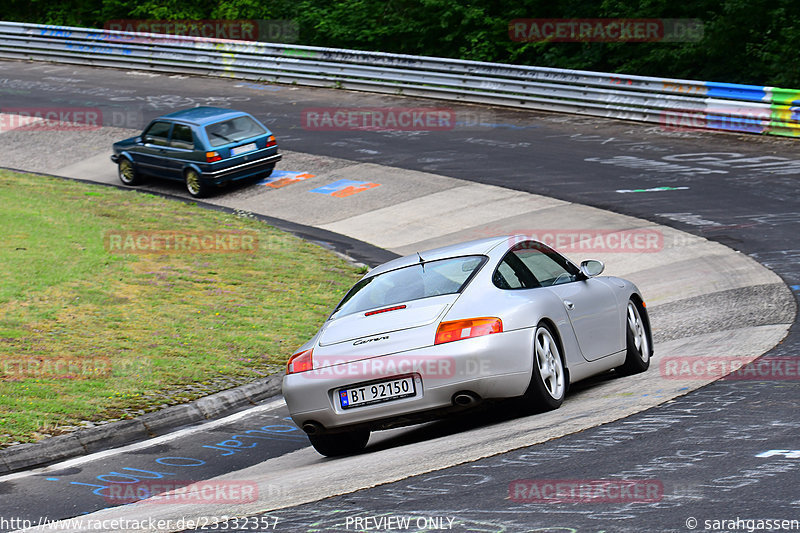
[423,280]
[233,130]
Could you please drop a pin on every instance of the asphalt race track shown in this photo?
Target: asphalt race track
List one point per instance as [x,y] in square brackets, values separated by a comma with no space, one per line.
[725,451]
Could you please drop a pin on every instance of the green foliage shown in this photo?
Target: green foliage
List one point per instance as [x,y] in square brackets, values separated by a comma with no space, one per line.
[745,41]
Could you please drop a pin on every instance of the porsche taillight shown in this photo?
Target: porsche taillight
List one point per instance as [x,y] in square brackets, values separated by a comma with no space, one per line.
[300,362]
[456,330]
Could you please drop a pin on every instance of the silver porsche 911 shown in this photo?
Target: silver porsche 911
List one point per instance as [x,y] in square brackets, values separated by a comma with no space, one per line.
[439,331]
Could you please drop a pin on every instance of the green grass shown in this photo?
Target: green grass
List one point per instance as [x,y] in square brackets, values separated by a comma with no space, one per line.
[91,334]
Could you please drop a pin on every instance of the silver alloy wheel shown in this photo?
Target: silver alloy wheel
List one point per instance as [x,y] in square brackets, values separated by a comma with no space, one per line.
[193,182]
[639,333]
[126,173]
[548,359]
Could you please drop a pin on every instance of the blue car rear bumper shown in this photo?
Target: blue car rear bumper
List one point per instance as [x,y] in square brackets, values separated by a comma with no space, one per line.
[242,170]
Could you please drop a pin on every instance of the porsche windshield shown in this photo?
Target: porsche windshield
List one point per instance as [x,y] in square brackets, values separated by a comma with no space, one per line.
[423,280]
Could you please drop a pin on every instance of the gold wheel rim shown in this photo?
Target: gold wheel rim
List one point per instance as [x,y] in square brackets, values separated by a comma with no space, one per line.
[192,182]
[126,170]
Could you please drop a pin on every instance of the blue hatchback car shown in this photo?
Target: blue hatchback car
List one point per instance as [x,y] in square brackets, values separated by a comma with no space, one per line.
[203,147]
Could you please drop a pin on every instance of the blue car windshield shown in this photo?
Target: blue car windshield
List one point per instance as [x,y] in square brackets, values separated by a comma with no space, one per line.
[233,130]
[423,280]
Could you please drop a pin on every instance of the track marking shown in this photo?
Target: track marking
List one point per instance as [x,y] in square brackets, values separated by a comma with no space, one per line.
[147,443]
[344,188]
[654,189]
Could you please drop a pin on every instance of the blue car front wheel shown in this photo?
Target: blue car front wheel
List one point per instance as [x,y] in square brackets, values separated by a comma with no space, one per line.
[127,172]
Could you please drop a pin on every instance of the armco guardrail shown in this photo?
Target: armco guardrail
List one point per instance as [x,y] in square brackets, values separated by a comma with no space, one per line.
[673,103]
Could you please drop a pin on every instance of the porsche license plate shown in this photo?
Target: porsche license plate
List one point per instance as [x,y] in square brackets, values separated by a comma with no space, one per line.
[383,391]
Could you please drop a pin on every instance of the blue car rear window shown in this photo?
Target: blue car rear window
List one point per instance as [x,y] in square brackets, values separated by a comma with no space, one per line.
[233,130]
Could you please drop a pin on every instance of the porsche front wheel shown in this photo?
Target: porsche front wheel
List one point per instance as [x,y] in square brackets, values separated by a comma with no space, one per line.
[637,341]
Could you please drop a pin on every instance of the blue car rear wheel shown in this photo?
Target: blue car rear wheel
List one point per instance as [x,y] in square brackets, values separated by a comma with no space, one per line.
[194,184]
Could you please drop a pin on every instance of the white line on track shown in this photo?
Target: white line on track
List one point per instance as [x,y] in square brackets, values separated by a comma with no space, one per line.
[274,404]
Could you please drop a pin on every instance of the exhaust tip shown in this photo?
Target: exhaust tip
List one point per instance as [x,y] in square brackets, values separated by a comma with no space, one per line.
[312,428]
[465,399]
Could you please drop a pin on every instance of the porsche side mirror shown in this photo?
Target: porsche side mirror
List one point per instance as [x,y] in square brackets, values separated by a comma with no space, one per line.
[592,268]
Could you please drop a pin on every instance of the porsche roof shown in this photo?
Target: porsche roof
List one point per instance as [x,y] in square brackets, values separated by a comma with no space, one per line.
[477,247]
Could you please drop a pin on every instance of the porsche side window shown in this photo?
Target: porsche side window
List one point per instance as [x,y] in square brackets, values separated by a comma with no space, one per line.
[548,267]
[157,133]
[505,278]
[512,273]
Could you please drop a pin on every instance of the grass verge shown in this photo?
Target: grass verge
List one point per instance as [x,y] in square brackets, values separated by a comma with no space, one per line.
[96,326]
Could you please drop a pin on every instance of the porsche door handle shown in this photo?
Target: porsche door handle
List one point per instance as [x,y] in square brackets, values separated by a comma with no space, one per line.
[569,305]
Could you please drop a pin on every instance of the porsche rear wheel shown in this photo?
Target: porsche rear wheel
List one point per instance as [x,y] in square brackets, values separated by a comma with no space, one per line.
[637,341]
[338,444]
[548,384]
